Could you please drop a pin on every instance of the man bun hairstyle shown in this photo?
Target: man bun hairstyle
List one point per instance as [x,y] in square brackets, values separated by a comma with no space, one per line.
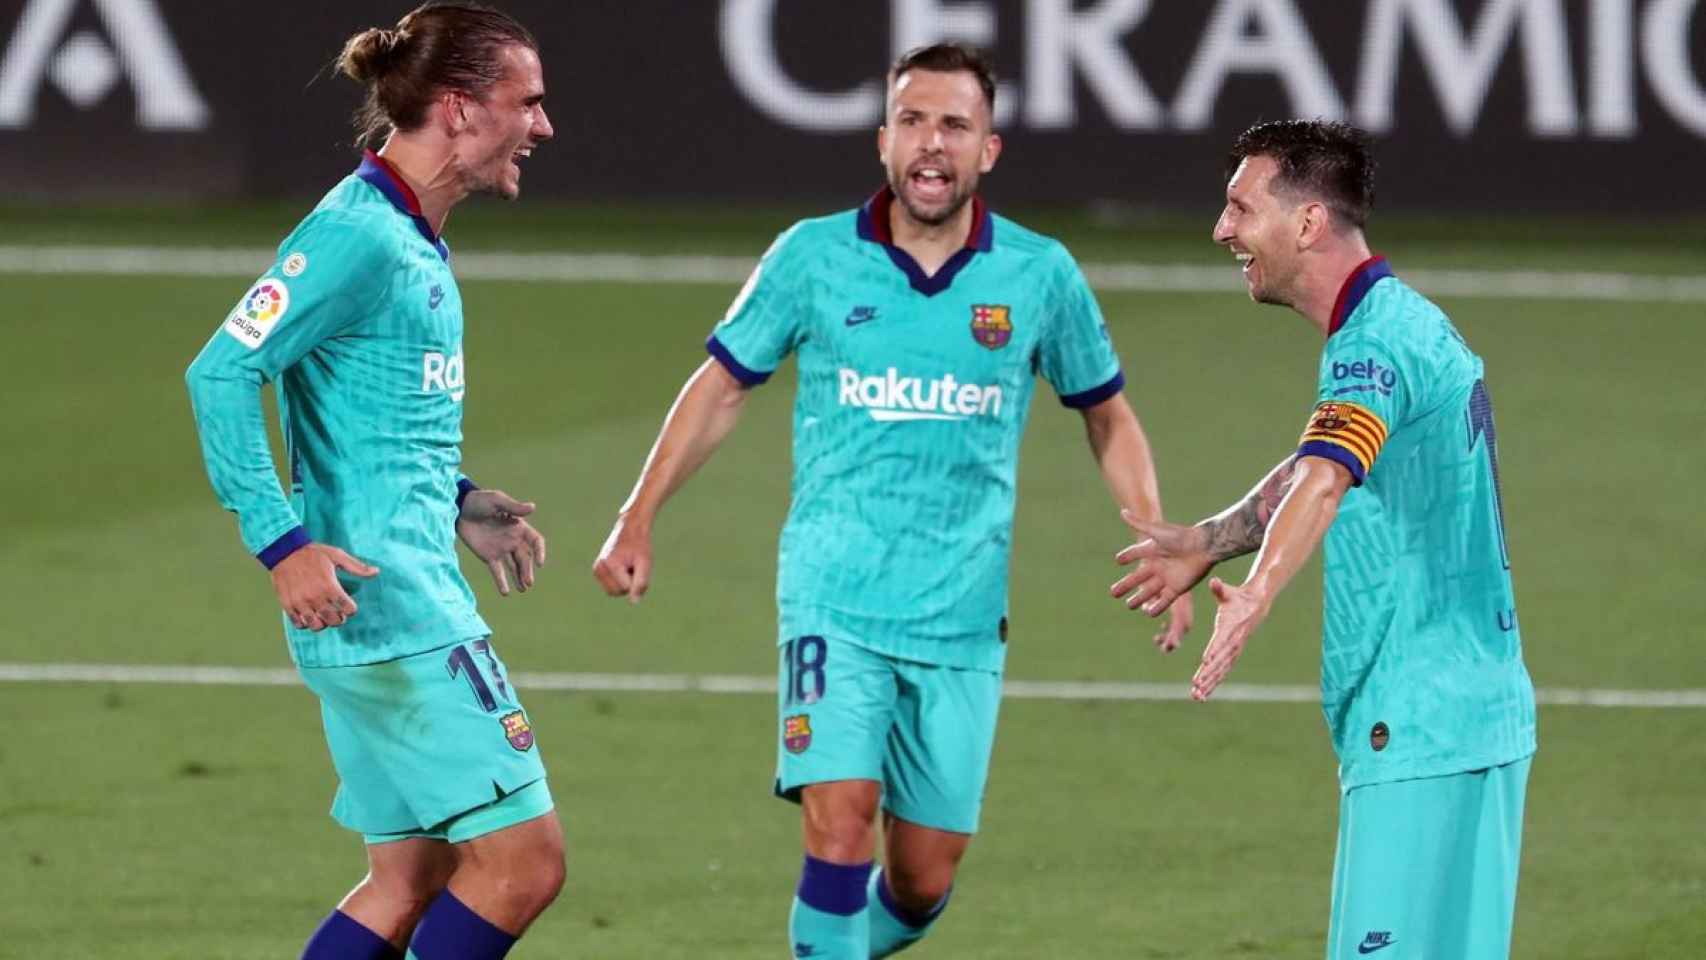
[950,58]
[1323,160]
[435,47]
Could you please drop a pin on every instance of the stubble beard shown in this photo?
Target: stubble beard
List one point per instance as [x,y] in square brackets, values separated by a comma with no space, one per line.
[956,201]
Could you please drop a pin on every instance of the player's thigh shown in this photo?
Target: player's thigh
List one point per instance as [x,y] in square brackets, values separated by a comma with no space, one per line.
[936,764]
[367,799]
[835,705]
[433,736]
[530,845]
[921,860]
[409,869]
[1489,913]
[1408,875]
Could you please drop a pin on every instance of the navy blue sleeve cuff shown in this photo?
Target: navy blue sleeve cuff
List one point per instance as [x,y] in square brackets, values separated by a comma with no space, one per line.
[750,378]
[464,486]
[1094,395]
[293,540]
[1335,453]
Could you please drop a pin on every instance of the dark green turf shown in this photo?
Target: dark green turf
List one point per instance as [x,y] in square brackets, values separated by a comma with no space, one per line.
[163,822]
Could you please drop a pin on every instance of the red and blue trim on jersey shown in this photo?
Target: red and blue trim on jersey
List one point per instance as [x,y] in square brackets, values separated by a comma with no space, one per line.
[873,226]
[378,171]
[1355,288]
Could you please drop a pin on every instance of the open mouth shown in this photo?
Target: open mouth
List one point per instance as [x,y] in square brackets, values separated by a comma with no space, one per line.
[1246,261]
[520,155]
[930,183]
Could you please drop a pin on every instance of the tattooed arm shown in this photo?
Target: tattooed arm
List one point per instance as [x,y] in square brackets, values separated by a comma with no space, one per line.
[1239,529]
[1177,558]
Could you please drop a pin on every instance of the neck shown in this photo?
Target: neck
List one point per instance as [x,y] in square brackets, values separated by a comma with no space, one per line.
[1324,276]
[929,244]
[431,172]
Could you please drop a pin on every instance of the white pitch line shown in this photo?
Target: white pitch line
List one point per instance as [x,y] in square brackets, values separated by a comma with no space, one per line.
[740,684]
[627,268]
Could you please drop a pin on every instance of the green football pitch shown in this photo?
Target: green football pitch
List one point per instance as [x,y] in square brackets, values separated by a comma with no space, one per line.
[174,820]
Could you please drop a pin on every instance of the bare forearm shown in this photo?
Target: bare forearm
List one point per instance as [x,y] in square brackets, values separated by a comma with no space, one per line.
[1298,524]
[1241,528]
[703,414]
[1123,454]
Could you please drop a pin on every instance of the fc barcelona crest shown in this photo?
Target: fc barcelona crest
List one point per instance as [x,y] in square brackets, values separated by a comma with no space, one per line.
[518,730]
[991,325]
[797,732]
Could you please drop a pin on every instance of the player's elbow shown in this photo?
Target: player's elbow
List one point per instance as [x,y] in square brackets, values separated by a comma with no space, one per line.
[1322,481]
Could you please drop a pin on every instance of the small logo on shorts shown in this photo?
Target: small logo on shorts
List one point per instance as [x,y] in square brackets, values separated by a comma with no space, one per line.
[517,729]
[1376,940]
[797,732]
[1378,737]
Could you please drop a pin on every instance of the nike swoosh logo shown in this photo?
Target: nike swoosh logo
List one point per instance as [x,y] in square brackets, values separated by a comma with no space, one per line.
[1365,948]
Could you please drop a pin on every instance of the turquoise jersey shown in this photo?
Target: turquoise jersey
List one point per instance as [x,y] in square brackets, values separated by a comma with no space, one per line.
[913,392]
[358,323]
[1421,667]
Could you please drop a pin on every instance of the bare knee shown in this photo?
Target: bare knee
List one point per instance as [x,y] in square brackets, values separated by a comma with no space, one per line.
[402,879]
[838,820]
[531,878]
[920,887]
[511,880]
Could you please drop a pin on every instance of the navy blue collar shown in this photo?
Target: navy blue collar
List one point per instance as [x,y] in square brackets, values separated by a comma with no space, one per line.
[377,171]
[1356,286]
[873,225]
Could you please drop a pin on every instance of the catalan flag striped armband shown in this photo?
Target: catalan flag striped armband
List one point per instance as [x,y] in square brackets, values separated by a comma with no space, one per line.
[1348,433]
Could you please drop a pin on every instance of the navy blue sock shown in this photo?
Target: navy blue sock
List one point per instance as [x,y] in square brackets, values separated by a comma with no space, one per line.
[450,931]
[893,927]
[828,916]
[341,938]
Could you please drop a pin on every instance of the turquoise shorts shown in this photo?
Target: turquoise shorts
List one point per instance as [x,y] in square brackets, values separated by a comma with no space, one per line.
[923,731]
[1428,868]
[431,745]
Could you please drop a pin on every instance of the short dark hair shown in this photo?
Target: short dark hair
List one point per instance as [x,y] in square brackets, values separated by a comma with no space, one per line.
[950,58]
[1318,159]
[436,46]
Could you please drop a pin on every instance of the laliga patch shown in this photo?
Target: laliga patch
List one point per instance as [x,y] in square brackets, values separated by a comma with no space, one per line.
[517,729]
[991,325]
[797,732]
[260,310]
[295,264]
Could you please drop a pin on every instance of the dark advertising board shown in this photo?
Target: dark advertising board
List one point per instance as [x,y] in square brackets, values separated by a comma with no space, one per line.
[1589,105]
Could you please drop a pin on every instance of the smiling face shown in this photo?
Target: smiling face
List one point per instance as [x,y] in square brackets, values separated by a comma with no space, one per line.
[1262,230]
[937,142]
[503,127]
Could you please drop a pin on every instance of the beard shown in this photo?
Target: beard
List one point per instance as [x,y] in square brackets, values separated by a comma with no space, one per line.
[962,193]
[490,174]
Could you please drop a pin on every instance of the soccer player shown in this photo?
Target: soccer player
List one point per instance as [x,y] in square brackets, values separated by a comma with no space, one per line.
[919,322]
[1429,705]
[359,324]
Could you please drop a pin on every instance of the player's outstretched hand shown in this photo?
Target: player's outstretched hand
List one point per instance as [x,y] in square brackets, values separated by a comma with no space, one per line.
[491,525]
[1171,559]
[307,586]
[1181,616]
[1242,610]
[624,564]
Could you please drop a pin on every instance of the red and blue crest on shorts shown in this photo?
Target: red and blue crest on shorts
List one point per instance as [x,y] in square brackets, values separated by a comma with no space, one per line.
[518,730]
[797,732]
